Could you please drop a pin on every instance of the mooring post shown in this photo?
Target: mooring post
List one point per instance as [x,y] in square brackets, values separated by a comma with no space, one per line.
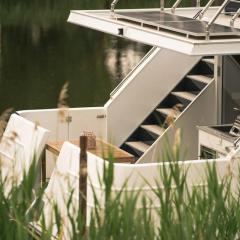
[83,181]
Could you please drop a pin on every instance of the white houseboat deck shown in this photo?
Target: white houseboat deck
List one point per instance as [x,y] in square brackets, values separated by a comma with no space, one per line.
[178,32]
[190,27]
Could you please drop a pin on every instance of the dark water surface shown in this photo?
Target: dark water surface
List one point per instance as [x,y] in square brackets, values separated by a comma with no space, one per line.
[40,51]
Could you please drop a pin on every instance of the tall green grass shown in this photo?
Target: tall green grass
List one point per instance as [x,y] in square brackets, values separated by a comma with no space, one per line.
[211,211]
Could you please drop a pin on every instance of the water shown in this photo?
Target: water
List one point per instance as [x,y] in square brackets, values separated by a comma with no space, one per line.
[40,51]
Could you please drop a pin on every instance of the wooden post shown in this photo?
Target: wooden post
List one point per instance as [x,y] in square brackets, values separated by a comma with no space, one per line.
[44,167]
[83,182]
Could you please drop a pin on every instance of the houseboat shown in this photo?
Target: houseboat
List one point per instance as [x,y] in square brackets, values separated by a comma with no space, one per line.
[189,80]
[189,77]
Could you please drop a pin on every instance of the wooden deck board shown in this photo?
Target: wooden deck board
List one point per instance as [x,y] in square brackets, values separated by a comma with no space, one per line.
[103,149]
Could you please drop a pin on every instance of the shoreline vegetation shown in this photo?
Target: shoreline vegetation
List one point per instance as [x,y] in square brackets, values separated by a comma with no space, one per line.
[210,211]
[179,210]
[205,211]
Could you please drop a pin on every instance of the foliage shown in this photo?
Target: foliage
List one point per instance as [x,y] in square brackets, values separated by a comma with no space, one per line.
[211,211]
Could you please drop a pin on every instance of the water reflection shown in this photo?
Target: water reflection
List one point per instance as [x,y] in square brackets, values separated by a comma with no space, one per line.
[39,52]
[120,61]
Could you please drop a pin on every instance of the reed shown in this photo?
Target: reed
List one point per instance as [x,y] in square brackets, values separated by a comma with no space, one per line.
[205,212]
[4,119]
[62,104]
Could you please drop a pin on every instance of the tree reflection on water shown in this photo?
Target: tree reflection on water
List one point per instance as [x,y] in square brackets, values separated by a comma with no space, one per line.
[39,51]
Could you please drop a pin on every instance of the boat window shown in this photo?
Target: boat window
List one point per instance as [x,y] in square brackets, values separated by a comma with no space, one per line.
[207,153]
[231,88]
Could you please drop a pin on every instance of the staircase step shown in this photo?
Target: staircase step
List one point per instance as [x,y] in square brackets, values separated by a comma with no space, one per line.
[186,95]
[208,60]
[169,112]
[154,129]
[200,78]
[140,146]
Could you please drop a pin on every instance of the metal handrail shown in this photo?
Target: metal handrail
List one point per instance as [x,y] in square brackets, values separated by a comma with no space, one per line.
[175,5]
[198,3]
[235,16]
[162,5]
[197,14]
[113,5]
[210,23]
[208,5]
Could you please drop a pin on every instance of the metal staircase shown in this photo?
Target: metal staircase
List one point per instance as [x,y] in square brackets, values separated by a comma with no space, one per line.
[169,110]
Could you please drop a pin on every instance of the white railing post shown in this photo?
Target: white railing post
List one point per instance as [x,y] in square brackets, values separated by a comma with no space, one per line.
[113,5]
[162,3]
[175,5]
[235,16]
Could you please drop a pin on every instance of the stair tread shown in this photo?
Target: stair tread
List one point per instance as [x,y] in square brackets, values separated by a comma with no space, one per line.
[140,146]
[208,60]
[200,78]
[154,129]
[187,95]
[169,112]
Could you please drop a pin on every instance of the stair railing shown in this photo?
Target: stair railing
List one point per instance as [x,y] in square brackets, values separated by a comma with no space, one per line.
[197,14]
[200,14]
[235,16]
[211,22]
[208,5]
[113,5]
[115,2]
[175,5]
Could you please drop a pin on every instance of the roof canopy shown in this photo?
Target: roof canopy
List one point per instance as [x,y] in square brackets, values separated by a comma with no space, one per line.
[179,31]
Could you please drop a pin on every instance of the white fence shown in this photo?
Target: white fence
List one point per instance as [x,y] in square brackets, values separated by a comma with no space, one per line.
[65,124]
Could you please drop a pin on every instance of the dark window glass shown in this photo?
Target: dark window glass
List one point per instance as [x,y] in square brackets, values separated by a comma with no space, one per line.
[207,153]
[231,88]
